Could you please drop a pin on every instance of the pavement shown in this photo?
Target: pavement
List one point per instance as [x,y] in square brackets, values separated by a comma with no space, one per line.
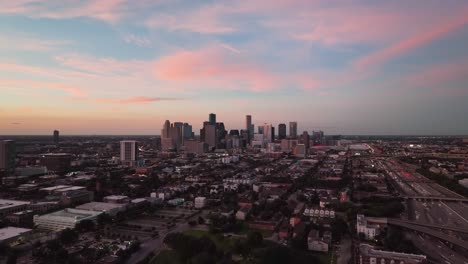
[344,251]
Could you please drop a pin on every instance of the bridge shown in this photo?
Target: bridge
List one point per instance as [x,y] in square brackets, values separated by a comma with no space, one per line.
[437,234]
[425,228]
[437,198]
[394,221]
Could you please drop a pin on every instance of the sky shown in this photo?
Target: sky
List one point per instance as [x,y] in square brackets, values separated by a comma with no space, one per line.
[125,66]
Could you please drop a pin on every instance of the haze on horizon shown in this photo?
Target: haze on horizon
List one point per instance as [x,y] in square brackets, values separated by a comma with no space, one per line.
[123,67]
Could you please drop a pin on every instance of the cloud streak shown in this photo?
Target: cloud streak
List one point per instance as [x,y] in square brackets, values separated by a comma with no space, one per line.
[129,100]
[409,44]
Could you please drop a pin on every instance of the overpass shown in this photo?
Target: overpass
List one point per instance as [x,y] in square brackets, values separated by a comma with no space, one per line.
[437,234]
[424,228]
[393,221]
[436,198]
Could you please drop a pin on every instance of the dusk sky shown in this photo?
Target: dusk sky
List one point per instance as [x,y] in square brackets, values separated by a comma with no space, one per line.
[125,66]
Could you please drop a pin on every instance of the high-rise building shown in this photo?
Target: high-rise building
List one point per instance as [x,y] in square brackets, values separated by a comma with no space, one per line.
[7,157]
[282,131]
[293,129]
[305,139]
[187,131]
[318,137]
[165,129]
[212,119]
[268,132]
[211,137]
[56,137]
[261,130]
[129,152]
[248,121]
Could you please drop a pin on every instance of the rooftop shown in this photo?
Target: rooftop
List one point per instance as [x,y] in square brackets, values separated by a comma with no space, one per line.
[70,215]
[10,232]
[100,207]
[11,203]
[369,250]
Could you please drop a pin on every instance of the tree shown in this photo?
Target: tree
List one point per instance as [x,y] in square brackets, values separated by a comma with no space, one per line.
[254,239]
[68,236]
[85,225]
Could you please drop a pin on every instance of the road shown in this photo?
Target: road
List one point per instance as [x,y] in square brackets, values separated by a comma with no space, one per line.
[344,252]
[154,245]
[436,250]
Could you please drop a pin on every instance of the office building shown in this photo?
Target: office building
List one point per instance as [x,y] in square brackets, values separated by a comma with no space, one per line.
[318,137]
[211,136]
[300,151]
[248,122]
[56,162]
[56,137]
[305,139]
[293,129]
[11,235]
[11,206]
[212,119]
[67,218]
[128,152]
[370,230]
[200,202]
[269,133]
[187,131]
[117,199]
[368,255]
[165,129]
[7,157]
[109,208]
[281,131]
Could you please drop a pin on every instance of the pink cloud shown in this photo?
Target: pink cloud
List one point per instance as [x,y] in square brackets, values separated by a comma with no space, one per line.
[130,100]
[103,66]
[439,74]
[106,10]
[213,68]
[8,84]
[409,44]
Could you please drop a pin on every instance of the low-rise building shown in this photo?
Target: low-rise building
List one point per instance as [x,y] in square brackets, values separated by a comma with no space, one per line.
[10,235]
[67,218]
[116,199]
[200,202]
[11,206]
[108,208]
[369,230]
[315,242]
[368,255]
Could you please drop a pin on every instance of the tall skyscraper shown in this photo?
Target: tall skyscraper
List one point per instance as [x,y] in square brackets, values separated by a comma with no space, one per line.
[56,137]
[7,157]
[212,119]
[305,139]
[293,129]
[282,131]
[318,137]
[268,133]
[211,137]
[187,131]
[165,129]
[129,152]
[248,124]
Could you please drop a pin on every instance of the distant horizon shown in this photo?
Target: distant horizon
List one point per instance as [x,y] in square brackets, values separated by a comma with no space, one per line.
[123,67]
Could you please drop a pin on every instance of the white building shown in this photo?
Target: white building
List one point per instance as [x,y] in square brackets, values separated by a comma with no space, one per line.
[200,202]
[369,230]
[116,199]
[108,208]
[128,152]
[67,218]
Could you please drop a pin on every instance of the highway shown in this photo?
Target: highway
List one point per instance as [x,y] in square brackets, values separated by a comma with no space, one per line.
[435,214]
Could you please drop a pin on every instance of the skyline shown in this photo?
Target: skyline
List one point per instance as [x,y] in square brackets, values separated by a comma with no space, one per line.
[123,68]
